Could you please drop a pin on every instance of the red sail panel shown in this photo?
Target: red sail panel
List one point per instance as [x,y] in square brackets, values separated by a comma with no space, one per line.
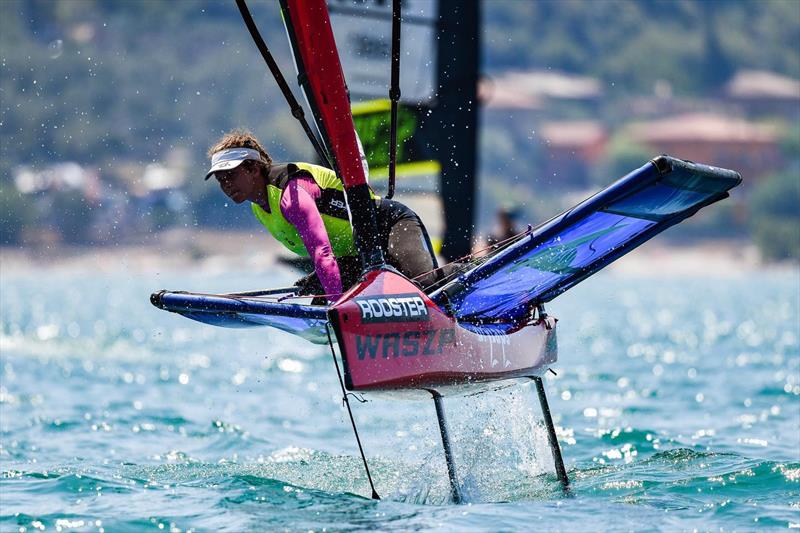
[321,71]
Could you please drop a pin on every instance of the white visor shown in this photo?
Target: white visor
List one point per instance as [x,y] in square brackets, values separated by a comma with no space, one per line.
[231,158]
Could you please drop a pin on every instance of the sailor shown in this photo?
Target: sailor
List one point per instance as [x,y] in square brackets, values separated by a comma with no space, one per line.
[506,225]
[303,206]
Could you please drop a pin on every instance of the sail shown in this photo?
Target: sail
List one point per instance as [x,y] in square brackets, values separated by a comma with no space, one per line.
[415,158]
[320,73]
[584,239]
[364,31]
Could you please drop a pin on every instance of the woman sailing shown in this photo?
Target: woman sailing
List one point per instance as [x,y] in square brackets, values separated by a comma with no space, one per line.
[303,206]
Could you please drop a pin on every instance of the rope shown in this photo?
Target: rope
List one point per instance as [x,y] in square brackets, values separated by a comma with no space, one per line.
[471,260]
[350,412]
[294,105]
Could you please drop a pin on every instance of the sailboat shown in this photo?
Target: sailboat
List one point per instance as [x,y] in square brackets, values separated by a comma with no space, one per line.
[484,323]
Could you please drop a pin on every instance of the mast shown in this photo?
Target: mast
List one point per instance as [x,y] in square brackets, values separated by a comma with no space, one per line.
[322,80]
[394,94]
[457,117]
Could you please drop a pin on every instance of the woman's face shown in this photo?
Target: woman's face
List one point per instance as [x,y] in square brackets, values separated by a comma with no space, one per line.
[238,184]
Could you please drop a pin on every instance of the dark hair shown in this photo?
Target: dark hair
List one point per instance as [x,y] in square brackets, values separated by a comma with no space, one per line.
[241,139]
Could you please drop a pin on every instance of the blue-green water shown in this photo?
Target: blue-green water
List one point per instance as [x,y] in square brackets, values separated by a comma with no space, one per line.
[677,404]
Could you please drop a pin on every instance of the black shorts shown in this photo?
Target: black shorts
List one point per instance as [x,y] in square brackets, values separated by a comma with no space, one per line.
[405,242]
[406,247]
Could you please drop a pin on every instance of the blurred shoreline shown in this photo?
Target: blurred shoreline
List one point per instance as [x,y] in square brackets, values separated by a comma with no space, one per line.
[216,251]
[169,250]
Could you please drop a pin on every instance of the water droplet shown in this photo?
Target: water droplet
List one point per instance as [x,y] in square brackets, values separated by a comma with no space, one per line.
[55,48]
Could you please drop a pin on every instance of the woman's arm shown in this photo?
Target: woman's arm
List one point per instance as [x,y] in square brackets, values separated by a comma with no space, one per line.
[299,207]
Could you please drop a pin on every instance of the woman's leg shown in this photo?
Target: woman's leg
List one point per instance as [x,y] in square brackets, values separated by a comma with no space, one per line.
[409,250]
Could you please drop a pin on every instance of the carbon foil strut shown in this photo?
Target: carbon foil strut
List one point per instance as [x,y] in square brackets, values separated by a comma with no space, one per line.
[561,472]
[455,487]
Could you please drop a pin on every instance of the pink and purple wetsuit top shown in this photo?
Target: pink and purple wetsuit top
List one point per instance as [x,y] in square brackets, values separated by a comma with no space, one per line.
[298,205]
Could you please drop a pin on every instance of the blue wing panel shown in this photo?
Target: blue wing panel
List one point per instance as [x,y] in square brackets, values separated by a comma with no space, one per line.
[583,240]
[515,284]
[241,312]
[657,201]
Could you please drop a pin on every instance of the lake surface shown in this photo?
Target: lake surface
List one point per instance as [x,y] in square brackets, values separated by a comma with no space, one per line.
[677,403]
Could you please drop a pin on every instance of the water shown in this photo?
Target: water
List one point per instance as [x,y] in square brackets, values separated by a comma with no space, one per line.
[677,404]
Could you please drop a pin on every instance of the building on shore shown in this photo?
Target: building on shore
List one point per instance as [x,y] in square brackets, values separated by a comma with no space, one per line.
[762,93]
[572,149]
[729,142]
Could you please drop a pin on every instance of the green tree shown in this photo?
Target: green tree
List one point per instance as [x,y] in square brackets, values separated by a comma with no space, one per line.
[15,215]
[775,216]
[622,157]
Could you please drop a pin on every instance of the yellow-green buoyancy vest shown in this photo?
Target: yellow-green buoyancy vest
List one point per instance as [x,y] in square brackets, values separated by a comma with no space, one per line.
[331,204]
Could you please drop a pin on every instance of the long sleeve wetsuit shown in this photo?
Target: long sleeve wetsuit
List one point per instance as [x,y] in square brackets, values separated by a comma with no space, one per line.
[298,205]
